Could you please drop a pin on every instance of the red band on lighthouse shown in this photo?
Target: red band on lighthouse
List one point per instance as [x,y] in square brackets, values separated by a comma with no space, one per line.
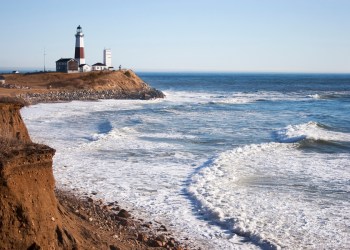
[79,53]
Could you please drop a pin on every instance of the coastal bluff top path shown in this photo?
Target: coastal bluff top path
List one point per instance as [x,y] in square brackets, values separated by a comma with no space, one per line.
[47,87]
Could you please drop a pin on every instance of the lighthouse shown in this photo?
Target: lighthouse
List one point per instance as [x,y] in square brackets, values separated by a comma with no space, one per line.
[79,46]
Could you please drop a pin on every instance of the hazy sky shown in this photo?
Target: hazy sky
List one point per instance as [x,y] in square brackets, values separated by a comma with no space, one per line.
[181,35]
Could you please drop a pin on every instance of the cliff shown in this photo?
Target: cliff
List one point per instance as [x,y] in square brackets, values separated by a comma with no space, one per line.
[34,216]
[29,212]
[56,87]
[11,124]
[29,215]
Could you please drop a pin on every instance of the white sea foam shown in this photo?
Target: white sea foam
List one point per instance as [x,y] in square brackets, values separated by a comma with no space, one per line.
[141,170]
[229,98]
[142,154]
[114,134]
[310,130]
[275,193]
[329,95]
[314,96]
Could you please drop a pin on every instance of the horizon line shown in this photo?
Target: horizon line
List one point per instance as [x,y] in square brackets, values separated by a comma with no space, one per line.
[35,69]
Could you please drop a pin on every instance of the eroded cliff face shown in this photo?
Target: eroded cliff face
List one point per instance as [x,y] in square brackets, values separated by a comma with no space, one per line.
[29,214]
[11,123]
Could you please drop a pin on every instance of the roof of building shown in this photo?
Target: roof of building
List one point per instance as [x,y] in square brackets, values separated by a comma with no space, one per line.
[99,64]
[65,59]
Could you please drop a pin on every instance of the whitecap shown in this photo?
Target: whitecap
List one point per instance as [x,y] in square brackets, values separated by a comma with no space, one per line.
[275,193]
[310,130]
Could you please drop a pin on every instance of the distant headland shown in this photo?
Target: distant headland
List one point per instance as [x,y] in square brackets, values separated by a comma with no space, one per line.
[47,87]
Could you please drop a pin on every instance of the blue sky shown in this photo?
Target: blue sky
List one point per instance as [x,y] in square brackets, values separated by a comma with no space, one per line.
[182,35]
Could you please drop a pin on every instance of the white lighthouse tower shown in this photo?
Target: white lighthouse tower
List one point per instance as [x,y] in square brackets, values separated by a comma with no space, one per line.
[79,46]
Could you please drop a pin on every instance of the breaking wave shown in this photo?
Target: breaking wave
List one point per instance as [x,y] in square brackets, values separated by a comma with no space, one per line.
[275,195]
[330,95]
[309,131]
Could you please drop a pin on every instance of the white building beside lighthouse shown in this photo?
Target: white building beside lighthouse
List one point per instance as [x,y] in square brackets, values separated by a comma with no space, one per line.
[107,58]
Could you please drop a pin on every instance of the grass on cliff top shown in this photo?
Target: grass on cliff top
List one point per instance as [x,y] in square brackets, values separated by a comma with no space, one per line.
[84,80]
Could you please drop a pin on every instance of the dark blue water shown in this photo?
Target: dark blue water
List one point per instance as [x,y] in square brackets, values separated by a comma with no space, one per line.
[323,97]
[248,82]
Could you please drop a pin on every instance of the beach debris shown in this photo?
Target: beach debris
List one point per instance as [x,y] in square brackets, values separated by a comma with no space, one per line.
[162,228]
[148,225]
[124,222]
[142,237]
[115,208]
[124,214]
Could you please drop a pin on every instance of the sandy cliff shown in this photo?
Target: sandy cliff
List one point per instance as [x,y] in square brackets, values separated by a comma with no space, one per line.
[34,216]
[11,124]
[29,215]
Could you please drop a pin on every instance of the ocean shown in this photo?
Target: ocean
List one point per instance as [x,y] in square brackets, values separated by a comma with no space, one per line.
[225,161]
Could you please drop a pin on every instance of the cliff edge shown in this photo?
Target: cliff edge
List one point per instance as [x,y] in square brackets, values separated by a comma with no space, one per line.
[11,123]
[33,216]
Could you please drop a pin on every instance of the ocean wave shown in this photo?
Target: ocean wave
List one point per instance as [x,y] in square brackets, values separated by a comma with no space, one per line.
[314,96]
[309,131]
[323,146]
[274,194]
[330,95]
[113,133]
[238,100]
[232,98]
[208,197]
[223,98]
[261,96]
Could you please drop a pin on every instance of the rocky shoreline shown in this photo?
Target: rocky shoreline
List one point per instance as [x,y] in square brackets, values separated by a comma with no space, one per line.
[89,95]
[117,224]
